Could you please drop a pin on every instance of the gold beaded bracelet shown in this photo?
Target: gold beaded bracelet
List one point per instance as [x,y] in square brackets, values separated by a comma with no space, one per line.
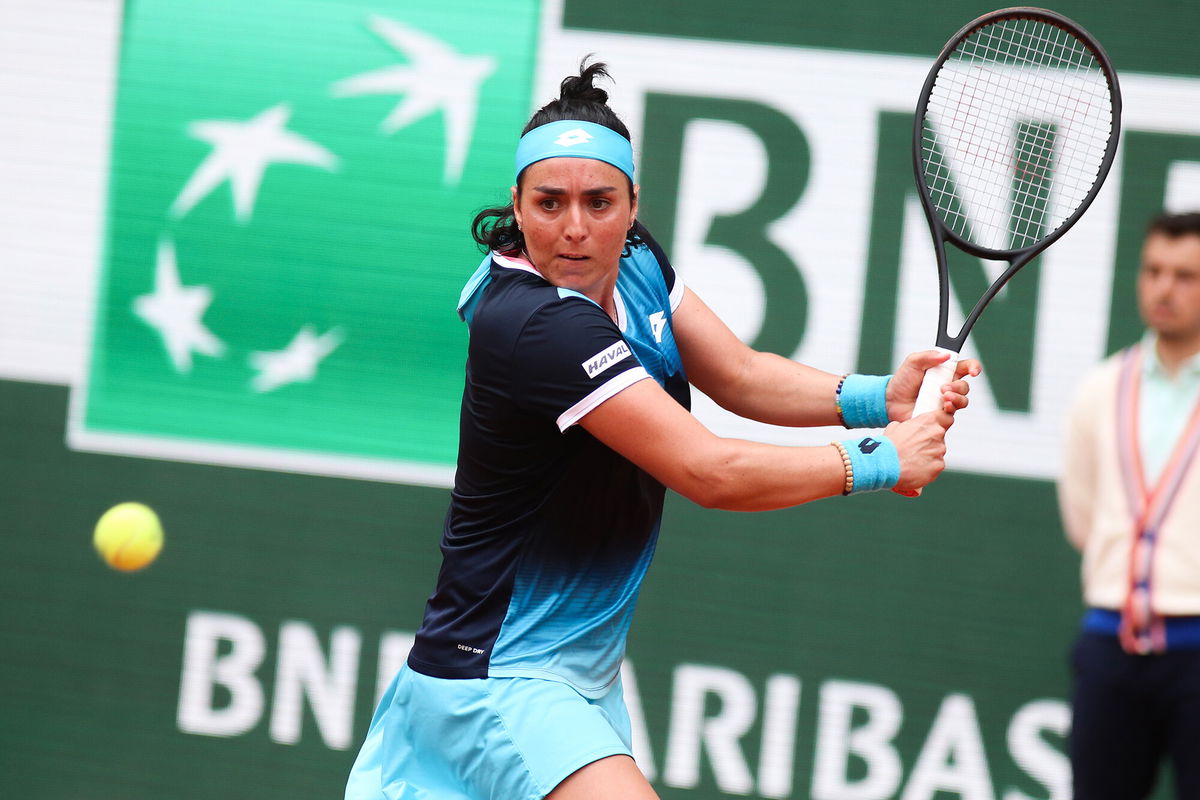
[848,487]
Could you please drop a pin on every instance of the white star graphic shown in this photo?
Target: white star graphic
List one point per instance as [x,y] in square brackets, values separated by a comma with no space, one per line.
[241,152]
[435,77]
[175,310]
[296,362]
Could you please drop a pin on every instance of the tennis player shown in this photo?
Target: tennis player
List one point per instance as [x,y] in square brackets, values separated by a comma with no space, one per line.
[574,419]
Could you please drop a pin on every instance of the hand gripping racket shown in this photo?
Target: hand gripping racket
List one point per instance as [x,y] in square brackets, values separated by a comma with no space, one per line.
[1015,131]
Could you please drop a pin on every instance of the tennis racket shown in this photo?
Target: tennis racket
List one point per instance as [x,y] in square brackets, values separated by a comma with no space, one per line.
[1015,131]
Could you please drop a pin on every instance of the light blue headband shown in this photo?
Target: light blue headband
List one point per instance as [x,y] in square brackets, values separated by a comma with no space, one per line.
[572,138]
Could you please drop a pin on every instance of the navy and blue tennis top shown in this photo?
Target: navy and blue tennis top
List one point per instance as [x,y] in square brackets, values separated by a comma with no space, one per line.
[549,532]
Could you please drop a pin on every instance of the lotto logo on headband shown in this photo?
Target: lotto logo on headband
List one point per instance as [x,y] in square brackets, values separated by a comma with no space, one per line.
[573,137]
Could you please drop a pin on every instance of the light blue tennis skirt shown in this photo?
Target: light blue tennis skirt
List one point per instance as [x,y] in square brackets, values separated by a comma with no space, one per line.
[483,738]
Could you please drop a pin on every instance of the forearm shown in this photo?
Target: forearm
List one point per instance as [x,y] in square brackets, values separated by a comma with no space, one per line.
[653,431]
[646,426]
[778,391]
[761,386]
[738,475]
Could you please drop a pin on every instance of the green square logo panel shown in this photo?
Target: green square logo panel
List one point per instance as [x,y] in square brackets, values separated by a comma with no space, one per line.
[291,190]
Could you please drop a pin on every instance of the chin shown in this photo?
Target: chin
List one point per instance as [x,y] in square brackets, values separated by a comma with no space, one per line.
[1174,334]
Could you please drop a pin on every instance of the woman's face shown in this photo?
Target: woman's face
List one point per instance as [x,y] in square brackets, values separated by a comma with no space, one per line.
[574,213]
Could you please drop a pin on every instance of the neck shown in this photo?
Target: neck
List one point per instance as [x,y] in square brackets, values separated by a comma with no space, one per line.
[1173,351]
[607,300]
[602,293]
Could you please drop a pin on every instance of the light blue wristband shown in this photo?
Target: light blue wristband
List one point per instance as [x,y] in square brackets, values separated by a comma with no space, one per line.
[874,463]
[861,401]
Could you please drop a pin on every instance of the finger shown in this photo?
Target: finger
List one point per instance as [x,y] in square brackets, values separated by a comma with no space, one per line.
[952,402]
[924,359]
[931,358]
[958,386]
[968,366]
[956,391]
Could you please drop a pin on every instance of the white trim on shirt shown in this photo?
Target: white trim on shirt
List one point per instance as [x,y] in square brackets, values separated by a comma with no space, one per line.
[676,296]
[516,263]
[588,404]
[622,320]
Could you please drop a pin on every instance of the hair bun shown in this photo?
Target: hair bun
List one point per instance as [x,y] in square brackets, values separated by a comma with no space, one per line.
[579,99]
[579,87]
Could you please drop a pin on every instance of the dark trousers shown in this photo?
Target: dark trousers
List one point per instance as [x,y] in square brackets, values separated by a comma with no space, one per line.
[1131,712]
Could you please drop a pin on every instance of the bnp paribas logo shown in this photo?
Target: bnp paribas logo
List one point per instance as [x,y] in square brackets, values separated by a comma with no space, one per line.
[291,188]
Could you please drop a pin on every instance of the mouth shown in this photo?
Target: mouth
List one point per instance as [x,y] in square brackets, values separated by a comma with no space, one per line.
[572,257]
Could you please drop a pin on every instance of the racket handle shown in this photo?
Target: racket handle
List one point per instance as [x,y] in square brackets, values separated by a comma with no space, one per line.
[930,396]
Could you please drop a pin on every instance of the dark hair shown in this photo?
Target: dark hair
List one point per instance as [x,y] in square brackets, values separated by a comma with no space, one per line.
[1175,225]
[496,228]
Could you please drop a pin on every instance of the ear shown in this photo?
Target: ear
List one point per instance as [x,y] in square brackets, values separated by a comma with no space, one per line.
[516,208]
[634,210]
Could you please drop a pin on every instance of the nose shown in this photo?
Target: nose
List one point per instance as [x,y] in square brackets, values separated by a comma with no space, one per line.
[575,223]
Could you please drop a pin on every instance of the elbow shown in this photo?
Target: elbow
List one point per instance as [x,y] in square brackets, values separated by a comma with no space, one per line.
[1076,517]
[706,497]
[1077,537]
[709,483]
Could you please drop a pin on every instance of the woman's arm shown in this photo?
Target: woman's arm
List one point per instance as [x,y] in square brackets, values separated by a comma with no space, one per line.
[645,425]
[770,388]
[761,386]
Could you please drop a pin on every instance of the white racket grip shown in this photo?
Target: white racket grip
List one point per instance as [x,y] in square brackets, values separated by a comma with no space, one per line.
[930,396]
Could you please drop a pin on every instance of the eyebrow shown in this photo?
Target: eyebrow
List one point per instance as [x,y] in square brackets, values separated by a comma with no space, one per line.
[554,190]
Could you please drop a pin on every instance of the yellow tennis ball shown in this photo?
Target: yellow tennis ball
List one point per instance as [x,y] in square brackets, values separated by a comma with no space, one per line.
[128,536]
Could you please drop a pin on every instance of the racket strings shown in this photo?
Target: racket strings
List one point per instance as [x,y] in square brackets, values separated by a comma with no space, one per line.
[1015,131]
[1032,164]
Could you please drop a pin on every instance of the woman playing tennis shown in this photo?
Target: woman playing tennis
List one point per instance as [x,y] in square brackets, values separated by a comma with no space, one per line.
[575,420]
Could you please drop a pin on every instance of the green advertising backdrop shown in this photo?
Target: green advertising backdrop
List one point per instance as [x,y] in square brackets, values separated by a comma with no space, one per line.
[351,174]
[275,367]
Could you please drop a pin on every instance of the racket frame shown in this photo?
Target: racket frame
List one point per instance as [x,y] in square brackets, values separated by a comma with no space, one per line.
[941,232]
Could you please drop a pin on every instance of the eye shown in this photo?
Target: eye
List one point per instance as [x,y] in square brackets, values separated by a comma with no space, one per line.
[600,203]
[548,203]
